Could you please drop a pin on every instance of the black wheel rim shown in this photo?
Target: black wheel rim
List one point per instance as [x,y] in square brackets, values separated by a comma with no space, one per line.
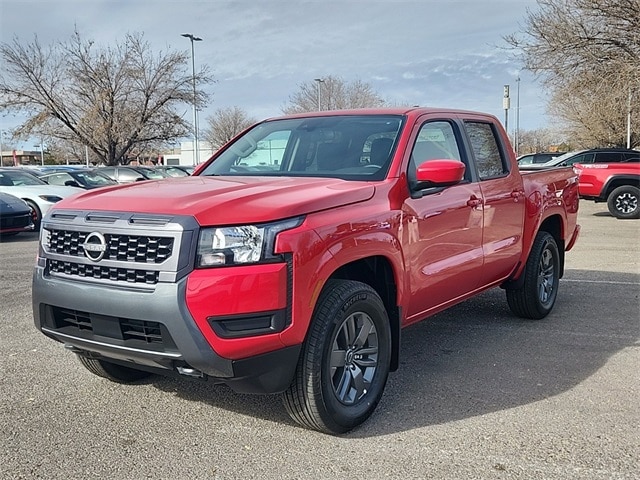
[626,203]
[546,276]
[354,358]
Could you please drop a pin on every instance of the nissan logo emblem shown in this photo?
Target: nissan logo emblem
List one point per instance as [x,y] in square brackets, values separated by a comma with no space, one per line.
[95,246]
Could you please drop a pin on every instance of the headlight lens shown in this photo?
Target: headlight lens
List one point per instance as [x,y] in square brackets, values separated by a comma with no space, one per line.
[239,245]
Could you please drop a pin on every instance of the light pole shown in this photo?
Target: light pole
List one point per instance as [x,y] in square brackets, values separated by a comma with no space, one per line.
[506,104]
[41,146]
[518,117]
[196,156]
[319,80]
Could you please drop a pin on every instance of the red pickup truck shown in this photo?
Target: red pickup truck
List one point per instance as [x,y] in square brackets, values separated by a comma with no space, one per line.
[617,184]
[294,257]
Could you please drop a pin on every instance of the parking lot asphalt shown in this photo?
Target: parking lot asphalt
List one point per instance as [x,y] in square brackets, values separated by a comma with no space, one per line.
[480,394]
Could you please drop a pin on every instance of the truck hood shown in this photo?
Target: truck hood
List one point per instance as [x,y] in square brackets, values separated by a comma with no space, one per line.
[225,200]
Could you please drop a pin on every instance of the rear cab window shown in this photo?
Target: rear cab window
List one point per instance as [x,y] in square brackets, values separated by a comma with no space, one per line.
[489,158]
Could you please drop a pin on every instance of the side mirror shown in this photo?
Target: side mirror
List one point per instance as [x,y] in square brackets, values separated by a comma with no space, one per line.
[72,183]
[439,173]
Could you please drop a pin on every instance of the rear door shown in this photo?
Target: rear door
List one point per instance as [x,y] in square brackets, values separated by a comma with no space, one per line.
[504,203]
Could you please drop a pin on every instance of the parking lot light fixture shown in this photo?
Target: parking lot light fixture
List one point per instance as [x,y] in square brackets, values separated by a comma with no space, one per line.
[319,80]
[196,156]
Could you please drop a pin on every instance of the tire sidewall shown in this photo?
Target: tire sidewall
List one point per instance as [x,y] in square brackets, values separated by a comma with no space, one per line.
[36,215]
[367,301]
[611,203]
[548,243]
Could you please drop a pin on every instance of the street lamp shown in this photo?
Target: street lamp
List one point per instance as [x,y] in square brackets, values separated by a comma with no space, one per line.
[319,80]
[193,38]
[41,146]
[506,104]
[518,117]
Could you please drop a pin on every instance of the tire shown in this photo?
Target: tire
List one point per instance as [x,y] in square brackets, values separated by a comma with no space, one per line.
[36,214]
[537,295]
[623,202]
[111,371]
[341,373]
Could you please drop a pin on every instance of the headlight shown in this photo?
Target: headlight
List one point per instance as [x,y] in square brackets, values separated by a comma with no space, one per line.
[239,245]
[50,198]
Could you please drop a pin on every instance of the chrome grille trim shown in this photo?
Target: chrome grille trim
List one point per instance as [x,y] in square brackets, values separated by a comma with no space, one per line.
[124,248]
[141,251]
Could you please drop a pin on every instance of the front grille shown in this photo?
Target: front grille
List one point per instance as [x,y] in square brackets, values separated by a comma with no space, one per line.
[123,248]
[15,221]
[130,332]
[99,272]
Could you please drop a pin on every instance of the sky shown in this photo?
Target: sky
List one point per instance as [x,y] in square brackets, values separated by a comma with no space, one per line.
[444,53]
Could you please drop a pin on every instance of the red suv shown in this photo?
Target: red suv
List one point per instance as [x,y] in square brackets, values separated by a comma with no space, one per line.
[618,184]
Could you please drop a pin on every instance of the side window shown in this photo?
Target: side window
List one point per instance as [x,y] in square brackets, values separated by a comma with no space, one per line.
[125,175]
[586,158]
[268,152]
[486,150]
[608,157]
[435,141]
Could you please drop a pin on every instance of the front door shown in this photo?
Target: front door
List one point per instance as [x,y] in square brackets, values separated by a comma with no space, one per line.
[443,229]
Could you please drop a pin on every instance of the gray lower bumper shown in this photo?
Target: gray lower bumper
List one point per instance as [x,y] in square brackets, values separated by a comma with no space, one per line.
[183,346]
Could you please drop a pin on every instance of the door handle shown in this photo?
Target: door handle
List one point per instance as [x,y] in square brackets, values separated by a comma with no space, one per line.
[517,194]
[474,202]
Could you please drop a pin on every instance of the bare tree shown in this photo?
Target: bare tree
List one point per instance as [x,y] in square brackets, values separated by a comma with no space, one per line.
[111,99]
[542,140]
[332,93]
[587,52]
[225,124]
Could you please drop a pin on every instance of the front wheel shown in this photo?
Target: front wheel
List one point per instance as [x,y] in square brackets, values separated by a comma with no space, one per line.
[537,294]
[344,364]
[623,202]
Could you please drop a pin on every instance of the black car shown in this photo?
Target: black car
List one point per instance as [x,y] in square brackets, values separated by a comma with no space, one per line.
[81,178]
[15,215]
[130,174]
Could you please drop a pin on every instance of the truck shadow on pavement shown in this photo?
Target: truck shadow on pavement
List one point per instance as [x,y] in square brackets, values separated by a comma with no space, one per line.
[477,358]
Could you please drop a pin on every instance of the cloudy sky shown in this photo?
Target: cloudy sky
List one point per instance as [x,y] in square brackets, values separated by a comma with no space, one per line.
[421,52]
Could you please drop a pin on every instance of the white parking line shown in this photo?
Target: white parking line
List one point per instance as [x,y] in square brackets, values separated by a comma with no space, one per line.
[608,282]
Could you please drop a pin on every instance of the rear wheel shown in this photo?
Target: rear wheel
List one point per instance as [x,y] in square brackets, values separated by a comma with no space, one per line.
[623,202]
[344,364]
[537,295]
[112,371]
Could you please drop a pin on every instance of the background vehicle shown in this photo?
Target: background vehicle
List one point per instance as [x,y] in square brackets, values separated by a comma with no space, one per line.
[132,174]
[293,270]
[38,194]
[15,215]
[618,184]
[86,179]
[540,157]
[176,170]
[595,155]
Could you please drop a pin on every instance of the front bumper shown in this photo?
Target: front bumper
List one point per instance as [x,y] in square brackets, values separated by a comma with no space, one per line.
[151,330]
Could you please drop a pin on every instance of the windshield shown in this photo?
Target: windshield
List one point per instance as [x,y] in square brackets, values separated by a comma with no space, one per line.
[95,179]
[17,178]
[350,147]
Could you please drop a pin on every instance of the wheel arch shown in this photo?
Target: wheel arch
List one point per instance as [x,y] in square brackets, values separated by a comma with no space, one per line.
[552,224]
[618,181]
[555,226]
[377,271]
